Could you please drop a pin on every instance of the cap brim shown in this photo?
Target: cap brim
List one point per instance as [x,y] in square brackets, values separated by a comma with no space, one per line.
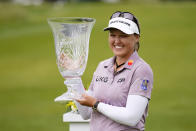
[124,31]
[123,24]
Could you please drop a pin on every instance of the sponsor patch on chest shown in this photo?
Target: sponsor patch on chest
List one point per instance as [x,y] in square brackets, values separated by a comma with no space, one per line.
[121,80]
[102,79]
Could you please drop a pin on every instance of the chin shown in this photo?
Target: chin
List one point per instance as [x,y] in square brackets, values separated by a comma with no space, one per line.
[122,54]
[119,54]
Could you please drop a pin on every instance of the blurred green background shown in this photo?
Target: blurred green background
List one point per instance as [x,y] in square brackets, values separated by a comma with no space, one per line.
[30,80]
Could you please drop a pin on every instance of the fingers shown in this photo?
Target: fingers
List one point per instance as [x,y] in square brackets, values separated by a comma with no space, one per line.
[84,95]
[81,100]
[86,100]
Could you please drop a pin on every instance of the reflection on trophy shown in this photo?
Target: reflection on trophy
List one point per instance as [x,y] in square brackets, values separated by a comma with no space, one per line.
[71,36]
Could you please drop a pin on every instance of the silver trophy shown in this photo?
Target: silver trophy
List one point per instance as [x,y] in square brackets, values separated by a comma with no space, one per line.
[71,35]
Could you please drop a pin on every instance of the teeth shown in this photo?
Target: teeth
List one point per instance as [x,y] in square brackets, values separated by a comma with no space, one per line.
[118,47]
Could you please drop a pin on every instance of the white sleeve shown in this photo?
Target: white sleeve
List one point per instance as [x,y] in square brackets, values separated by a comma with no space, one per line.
[129,115]
[84,111]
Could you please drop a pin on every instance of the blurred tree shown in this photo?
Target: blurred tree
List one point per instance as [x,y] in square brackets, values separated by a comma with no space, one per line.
[177,0]
[5,0]
[73,0]
[51,0]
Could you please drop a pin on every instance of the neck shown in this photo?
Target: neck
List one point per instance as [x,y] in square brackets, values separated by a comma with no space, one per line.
[122,59]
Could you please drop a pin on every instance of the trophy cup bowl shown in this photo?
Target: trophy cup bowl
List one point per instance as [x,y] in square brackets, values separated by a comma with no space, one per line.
[71,36]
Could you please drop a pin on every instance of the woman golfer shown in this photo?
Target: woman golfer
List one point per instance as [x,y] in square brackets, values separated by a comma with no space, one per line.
[119,94]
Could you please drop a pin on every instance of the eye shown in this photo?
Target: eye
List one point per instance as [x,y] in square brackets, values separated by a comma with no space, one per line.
[123,36]
[112,35]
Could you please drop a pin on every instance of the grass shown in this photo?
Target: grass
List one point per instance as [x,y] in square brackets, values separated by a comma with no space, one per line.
[30,80]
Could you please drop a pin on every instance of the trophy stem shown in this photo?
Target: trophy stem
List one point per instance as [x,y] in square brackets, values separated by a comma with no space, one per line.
[74,90]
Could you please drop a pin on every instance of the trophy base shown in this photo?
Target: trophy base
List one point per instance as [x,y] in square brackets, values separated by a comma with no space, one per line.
[75,89]
[65,97]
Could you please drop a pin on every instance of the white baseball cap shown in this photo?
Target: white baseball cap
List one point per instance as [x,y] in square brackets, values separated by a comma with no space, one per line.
[125,25]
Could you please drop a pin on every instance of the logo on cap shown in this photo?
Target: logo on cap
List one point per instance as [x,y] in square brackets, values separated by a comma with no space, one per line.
[120,21]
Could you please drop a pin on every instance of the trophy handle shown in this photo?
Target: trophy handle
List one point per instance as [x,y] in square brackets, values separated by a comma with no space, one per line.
[74,90]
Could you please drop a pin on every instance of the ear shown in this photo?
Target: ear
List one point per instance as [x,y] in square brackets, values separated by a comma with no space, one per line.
[137,38]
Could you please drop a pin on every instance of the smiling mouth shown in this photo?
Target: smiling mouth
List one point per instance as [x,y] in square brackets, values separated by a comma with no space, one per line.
[118,47]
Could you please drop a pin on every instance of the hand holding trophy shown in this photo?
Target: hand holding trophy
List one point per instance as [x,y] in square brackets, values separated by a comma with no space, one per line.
[71,35]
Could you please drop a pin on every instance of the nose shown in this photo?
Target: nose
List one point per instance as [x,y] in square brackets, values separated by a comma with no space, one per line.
[117,40]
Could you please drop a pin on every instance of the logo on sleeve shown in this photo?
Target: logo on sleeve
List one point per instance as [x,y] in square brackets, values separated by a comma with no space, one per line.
[144,84]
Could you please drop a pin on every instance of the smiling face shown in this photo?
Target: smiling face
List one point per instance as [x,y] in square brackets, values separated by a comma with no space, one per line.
[122,44]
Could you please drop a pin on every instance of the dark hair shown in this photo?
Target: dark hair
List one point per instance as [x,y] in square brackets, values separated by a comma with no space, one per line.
[137,45]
